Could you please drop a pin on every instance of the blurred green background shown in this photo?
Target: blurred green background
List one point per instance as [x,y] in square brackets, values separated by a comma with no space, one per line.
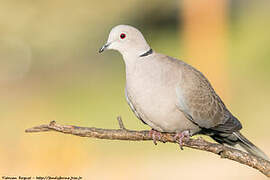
[50,69]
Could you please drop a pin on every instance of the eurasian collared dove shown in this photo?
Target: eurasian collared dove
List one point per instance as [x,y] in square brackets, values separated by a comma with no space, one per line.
[171,96]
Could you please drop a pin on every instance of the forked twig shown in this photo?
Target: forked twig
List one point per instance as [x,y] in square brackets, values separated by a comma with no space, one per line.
[125,134]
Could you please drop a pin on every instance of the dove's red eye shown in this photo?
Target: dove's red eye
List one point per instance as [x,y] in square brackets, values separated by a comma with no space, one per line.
[123,36]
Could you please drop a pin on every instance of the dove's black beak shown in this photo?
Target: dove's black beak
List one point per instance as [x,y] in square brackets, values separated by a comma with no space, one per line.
[103,48]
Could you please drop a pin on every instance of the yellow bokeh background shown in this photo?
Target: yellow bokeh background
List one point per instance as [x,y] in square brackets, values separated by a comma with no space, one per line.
[50,69]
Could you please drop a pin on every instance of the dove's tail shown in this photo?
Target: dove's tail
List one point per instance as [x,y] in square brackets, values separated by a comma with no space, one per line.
[238,141]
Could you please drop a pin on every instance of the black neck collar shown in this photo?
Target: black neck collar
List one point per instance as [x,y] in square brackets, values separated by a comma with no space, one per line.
[150,51]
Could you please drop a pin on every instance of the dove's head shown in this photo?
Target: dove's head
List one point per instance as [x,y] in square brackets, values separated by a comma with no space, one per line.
[127,40]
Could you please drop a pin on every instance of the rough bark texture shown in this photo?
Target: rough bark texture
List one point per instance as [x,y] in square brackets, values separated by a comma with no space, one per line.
[131,135]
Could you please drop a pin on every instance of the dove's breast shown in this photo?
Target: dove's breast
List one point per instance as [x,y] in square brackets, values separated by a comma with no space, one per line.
[151,93]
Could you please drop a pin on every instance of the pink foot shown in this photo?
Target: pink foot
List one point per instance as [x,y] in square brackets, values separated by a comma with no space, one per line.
[156,135]
[180,136]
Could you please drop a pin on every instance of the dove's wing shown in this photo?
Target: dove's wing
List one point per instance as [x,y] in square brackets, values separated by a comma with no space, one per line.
[199,102]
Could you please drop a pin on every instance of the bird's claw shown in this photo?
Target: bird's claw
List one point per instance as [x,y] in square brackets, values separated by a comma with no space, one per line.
[156,135]
[180,136]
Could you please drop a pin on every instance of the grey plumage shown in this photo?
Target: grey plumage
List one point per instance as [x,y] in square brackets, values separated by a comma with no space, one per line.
[172,96]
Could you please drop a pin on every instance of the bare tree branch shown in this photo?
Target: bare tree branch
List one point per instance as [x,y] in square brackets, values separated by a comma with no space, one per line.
[124,134]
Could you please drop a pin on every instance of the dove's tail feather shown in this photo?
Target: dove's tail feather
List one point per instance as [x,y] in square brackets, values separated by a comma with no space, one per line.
[238,141]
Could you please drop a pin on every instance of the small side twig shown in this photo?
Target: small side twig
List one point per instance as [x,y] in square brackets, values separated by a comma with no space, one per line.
[120,122]
[125,134]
